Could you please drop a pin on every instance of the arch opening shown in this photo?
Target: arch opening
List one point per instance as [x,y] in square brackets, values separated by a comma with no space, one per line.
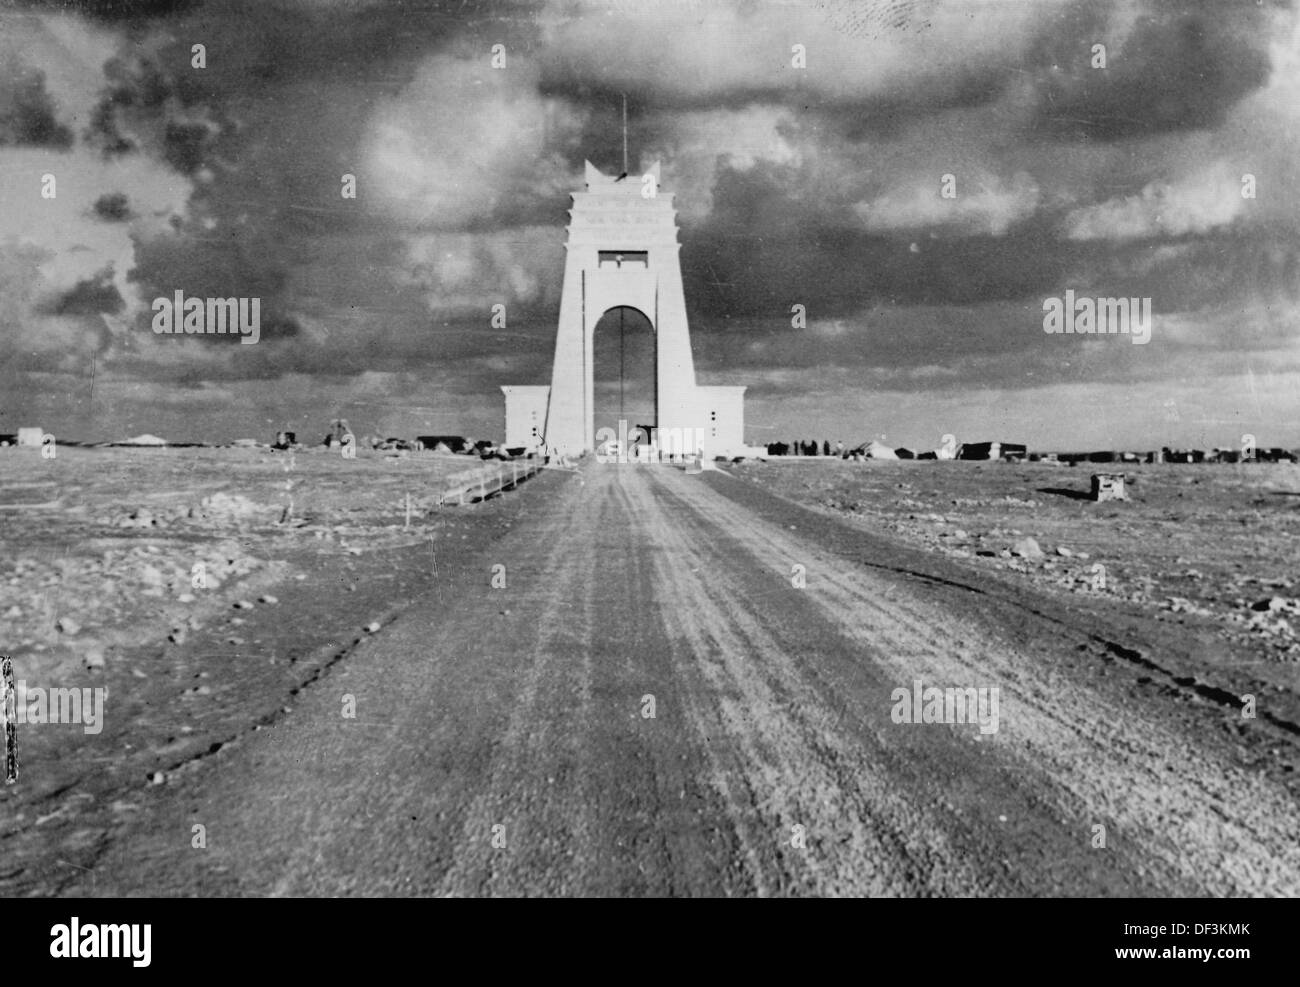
[624,352]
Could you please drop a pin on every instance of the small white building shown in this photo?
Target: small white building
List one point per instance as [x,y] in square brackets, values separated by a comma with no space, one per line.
[30,437]
[525,414]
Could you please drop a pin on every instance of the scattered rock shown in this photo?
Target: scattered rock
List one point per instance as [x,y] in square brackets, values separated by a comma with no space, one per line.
[1276,604]
[225,507]
[185,598]
[1064,552]
[1027,548]
[267,598]
[1178,604]
[243,605]
[372,627]
[67,625]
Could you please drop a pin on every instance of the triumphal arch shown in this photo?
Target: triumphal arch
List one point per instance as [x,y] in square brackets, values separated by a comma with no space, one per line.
[622,250]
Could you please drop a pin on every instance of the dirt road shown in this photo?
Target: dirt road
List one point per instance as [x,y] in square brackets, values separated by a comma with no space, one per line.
[502,742]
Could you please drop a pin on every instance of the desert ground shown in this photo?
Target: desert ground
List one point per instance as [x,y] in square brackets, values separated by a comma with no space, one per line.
[621,679]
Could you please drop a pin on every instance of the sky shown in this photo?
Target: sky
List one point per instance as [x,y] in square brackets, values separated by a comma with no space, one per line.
[807,143]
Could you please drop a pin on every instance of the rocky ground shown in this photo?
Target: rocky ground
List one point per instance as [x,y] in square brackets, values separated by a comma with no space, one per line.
[199,587]
[1213,547]
[681,684]
[97,539]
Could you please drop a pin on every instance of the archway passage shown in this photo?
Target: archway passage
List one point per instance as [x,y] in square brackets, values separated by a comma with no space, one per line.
[623,370]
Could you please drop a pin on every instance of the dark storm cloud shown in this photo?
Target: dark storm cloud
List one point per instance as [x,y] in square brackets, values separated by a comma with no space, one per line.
[88,298]
[136,86]
[816,186]
[114,10]
[1182,65]
[226,267]
[27,113]
[114,207]
[738,264]
[734,263]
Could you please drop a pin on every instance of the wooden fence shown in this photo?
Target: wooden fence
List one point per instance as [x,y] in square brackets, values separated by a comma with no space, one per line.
[484,481]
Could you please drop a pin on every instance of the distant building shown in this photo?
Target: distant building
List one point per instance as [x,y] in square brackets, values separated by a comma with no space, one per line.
[1276,455]
[30,437]
[992,450]
[453,443]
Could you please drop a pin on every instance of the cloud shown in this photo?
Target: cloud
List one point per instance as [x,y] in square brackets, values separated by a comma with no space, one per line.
[696,147]
[76,243]
[465,274]
[1206,200]
[111,10]
[26,109]
[983,206]
[817,186]
[1169,65]
[67,52]
[733,51]
[72,220]
[463,145]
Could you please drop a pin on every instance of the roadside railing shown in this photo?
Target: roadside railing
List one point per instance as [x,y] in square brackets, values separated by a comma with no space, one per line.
[484,481]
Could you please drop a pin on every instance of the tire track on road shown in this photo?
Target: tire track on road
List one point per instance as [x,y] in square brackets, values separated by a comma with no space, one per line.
[1209,828]
[800,768]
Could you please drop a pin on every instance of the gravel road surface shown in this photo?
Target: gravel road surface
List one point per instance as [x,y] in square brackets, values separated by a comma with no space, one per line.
[502,742]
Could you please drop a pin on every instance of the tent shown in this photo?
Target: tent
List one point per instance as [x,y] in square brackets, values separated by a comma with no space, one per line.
[878,450]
